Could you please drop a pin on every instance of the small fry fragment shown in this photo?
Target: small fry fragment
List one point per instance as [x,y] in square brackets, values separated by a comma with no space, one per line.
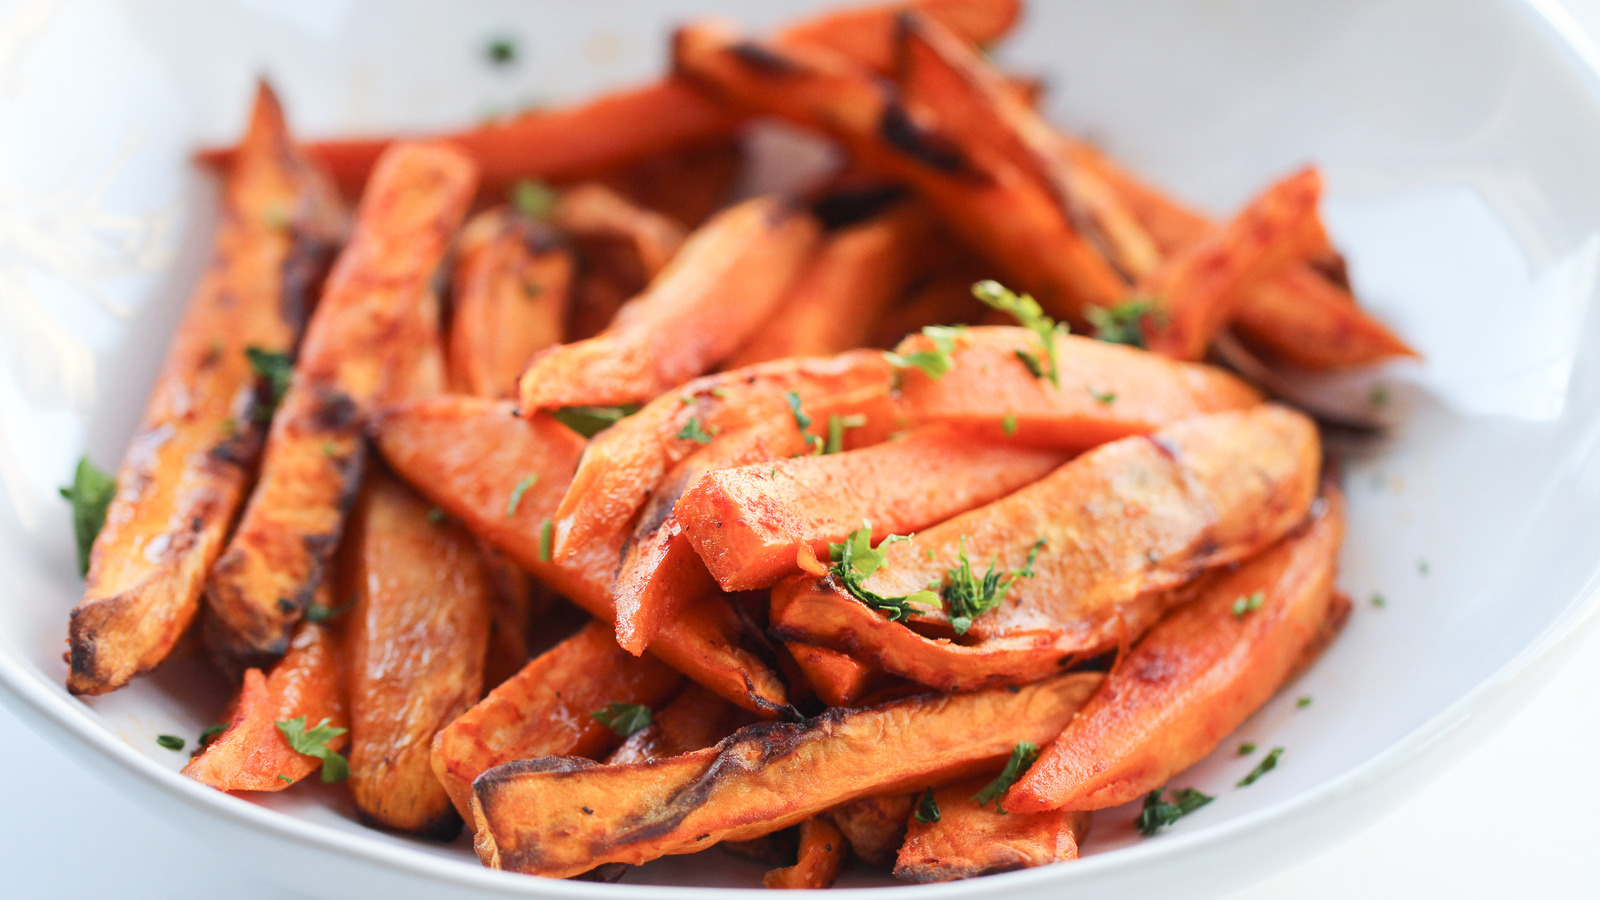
[512,289]
[469,456]
[252,754]
[1194,677]
[187,470]
[544,710]
[821,856]
[748,523]
[838,679]
[1198,288]
[561,816]
[968,840]
[694,720]
[1094,546]
[714,294]
[591,212]
[874,826]
[351,360]
[856,274]
[417,639]
[1106,392]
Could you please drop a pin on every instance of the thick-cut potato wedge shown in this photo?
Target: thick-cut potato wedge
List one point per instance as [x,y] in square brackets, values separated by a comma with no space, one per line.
[1197,289]
[1107,391]
[416,644]
[837,679]
[686,185]
[748,523]
[188,467]
[663,116]
[874,826]
[1122,526]
[856,275]
[562,816]
[694,720]
[624,464]
[252,754]
[544,710]
[976,103]
[1299,316]
[1194,678]
[361,346]
[717,291]
[512,289]
[593,212]
[970,840]
[821,856]
[469,456]
[978,193]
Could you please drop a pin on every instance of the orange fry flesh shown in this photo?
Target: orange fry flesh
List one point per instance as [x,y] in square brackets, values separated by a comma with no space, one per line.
[874,826]
[560,816]
[1107,391]
[748,523]
[470,456]
[252,754]
[544,710]
[838,679]
[1193,678]
[1119,526]
[359,344]
[187,470]
[969,840]
[821,856]
[707,302]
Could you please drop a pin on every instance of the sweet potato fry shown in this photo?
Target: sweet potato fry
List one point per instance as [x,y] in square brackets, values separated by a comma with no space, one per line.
[1198,287]
[944,299]
[351,359]
[694,720]
[838,679]
[858,272]
[1299,317]
[470,456]
[252,754]
[686,185]
[968,840]
[1106,392]
[623,465]
[821,856]
[1194,678]
[591,213]
[512,289]
[978,194]
[710,299]
[975,102]
[748,523]
[544,710]
[562,816]
[1120,526]
[874,826]
[417,638]
[187,469]
[867,33]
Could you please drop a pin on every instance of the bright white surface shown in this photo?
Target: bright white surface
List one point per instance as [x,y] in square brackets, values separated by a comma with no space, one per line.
[1509,817]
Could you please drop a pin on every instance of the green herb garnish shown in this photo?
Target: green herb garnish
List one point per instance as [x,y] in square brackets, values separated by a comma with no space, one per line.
[1248,604]
[545,528]
[1123,323]
[1246,749]
[1158,814]
[623,718]
[318,613]
[927,811]
[1379,601]
[967,596]
[501,51]
[855,560]
[314,742]
[275,370]
[836,429]
[1008,425]
[1266,765]
[534,199]
[1028,312]
[210,732]
[1022,756]
[435,515]
[90,493]
[693,431]
[1303,702]
[802,422]
[591,420]
[936,362]
[515,500]
[1106,397]
[170,741]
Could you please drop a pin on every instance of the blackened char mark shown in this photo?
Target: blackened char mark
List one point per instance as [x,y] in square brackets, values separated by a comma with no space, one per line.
[763,59]
[926,146]
[334,410]
[305,267]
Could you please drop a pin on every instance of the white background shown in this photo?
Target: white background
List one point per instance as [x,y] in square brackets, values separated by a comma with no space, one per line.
[1518,817]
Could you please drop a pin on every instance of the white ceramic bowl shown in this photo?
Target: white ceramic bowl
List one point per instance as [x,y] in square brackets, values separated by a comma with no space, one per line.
[1459,138]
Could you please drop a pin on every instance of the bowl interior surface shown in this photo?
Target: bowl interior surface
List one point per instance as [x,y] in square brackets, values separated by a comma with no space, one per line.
[1456,136]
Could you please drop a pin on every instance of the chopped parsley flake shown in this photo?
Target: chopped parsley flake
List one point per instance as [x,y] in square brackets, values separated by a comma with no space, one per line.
[435,515]
[501,51]
[1123,323]
[855,560]
[90,494]
[591,420]
[545,529]
[927,811]
[275,370]
[316,612]
[802,421]
[1022,756]
[1379,601]
[314,742]
[534,199]
[692,430]
[170,741]
[1302,703]
[1246,749]
[1158,814]
[1380,396]
[210,732]
[836,429]
[1008,425]
[1028,312]
[1267,764]
[936,362]
[1106,397]
[967,596]
[515,500]
[1248,604]
[623,718]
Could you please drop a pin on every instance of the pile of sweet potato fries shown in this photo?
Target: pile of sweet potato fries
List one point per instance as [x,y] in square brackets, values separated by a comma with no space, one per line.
[903,508]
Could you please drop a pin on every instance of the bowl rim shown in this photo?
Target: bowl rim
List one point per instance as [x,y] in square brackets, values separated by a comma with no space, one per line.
[51,705]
